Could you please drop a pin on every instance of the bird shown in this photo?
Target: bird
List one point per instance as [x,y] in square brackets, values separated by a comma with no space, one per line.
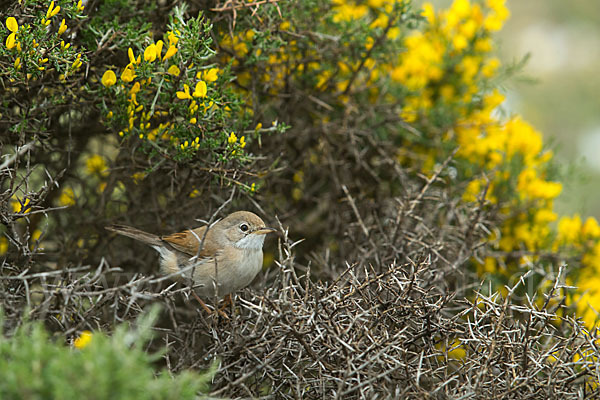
[218,260]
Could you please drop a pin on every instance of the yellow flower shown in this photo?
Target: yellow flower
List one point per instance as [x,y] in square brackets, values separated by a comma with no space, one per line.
[232,138]
[461,8]
[21,206]
[243,142]
[12,25]
[35,235]
[109,78]
[428,12]
[50,9]
[10,41]
[138,177]
[211,75]
[490,67]
[150,53]
[253,188]
[170,52]
[174,70]
[128,73]
[459,42]
[80,6]
[159,46]
[131,56]
[135,89]
[588,299]
[200,90]
[83,340]
[173,39]
[77,63]
[569,229]
[185,94]
[3,245]
[591,228]
[96,164]
[62,28]
[67,197]
[298,177]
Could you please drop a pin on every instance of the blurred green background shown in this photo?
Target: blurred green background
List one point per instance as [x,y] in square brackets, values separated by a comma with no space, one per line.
[558,89]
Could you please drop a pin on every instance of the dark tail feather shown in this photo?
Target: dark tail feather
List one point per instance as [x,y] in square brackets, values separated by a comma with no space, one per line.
[136,234]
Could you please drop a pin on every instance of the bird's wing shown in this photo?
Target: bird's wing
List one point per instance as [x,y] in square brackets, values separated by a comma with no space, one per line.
[188,242]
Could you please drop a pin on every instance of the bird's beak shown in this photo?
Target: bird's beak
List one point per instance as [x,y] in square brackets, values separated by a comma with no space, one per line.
[264,231]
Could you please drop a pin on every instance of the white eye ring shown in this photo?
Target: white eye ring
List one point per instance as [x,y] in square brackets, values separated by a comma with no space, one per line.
[244,228]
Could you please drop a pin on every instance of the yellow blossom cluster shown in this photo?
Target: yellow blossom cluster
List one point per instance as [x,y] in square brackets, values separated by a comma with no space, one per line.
[445,65]
[583,237]
[236,143]
[444,68]
[448,58]
[26,49]
[144,118]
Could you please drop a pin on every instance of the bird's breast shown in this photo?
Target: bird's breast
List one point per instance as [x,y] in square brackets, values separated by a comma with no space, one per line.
[232,270]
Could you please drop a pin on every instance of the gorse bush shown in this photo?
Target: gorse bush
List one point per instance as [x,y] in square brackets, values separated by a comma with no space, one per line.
[373,129]
[33,366]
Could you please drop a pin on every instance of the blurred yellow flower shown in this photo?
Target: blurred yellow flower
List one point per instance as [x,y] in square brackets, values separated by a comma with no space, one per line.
[67,197]
[3,245]
[138,177]
[590,228]
[83,340]
[96,165]
[569,229]
[20,205]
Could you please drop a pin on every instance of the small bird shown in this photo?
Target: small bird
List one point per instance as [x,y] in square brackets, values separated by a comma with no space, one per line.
[229,259]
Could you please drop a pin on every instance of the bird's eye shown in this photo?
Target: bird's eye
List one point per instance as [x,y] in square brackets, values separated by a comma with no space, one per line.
[244,227]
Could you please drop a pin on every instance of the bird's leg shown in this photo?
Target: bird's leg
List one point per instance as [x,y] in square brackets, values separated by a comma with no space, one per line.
[202,303]
[227,300]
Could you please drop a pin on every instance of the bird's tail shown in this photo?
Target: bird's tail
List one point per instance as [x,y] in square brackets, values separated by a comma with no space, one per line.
[136,234]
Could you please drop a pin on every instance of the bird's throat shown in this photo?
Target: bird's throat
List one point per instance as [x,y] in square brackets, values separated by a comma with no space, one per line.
[250,242]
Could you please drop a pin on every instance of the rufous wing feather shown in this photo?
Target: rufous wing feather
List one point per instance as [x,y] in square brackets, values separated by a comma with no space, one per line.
[189,241]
